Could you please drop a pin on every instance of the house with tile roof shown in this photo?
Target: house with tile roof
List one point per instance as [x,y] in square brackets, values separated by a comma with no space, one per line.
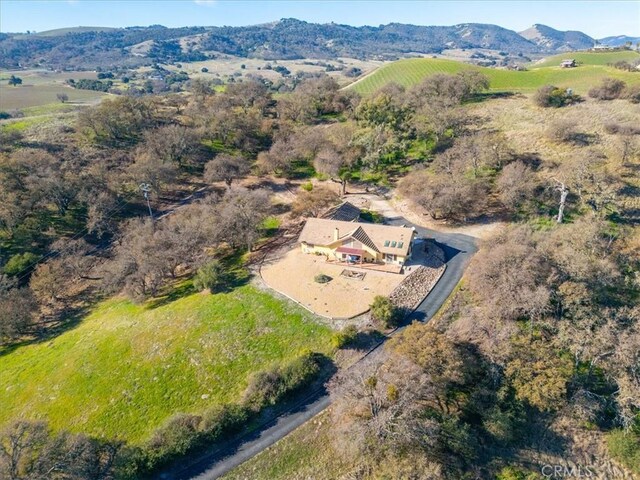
[357,243]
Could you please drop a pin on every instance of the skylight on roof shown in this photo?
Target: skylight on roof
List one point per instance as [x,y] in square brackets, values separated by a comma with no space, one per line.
[393,244]
[400,244]
[386,243]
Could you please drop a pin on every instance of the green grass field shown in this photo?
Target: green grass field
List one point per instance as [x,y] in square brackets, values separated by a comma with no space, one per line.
[589,58]
[412,71]
[124,369]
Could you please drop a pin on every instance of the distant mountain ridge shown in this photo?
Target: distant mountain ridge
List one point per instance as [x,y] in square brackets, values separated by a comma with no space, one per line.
[619,41]
[83,47]
[553,40]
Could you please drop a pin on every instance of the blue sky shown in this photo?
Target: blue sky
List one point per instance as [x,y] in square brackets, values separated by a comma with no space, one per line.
[598,19]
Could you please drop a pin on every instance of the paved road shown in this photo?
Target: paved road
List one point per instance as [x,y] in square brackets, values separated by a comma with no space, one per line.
[458,249]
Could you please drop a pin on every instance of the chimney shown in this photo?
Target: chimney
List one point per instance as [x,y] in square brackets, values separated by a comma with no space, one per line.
[336,234]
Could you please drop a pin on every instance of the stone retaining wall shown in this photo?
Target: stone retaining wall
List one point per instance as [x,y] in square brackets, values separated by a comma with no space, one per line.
[413,289]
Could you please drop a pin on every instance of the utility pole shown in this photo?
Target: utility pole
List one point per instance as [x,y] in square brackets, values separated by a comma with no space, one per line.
[145,188]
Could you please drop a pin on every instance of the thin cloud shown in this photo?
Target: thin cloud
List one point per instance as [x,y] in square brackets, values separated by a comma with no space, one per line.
[207,3]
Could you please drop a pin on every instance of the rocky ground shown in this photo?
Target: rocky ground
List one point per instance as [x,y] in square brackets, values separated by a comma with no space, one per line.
[415,287]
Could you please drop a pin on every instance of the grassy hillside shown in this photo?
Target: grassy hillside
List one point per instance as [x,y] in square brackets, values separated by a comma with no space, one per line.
[588,58]
[409,72]
[126,368]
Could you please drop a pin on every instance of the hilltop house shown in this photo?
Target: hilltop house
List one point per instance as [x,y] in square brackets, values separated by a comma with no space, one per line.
[568,63]
[357,243]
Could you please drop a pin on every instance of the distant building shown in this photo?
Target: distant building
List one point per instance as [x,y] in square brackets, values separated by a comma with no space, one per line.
[599,47]
[569,63]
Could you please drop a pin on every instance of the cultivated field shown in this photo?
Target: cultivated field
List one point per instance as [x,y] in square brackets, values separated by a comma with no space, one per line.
[409,72]
[125,368]
[40,87]
[589,58]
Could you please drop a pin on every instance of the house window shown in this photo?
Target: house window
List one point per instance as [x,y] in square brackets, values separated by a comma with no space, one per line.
[390,257]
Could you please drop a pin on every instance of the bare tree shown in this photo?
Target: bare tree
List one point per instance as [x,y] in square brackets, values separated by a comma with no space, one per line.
[18,309]
[240,216]
[511,278]
[171,144]
[516,184]
[48,281]
[226,168]
[18,443]
[313,203]
[564,193]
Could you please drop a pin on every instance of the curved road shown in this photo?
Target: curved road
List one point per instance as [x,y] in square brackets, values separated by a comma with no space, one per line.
[458,249]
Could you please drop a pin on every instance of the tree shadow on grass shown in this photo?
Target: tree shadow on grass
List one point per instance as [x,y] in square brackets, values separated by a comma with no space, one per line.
[365,340]
[232,279]
[483,96]
[48,330]
[175,292]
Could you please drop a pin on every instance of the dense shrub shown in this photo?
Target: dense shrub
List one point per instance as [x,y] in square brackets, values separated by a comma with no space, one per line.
[20,262]
[322,278]
[562,131]
[382,310]
[344,337]
[632,93]
[267,387]
[175,438]
[221,420]
[184,432]
[620,128]
[371,216]
[211,276]
[609,89]
[552,96]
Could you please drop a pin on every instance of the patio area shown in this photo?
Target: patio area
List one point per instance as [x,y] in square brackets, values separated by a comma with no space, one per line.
[345,296]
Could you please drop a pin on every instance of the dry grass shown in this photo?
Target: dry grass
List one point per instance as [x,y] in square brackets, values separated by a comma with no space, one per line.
[294,273]
[40,87]
[525,124]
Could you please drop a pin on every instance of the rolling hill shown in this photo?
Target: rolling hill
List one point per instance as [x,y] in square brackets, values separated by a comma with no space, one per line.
[90,47]
[409,72]
[125,368]
[64,31]
[619,40]
[589,58]
[550,39]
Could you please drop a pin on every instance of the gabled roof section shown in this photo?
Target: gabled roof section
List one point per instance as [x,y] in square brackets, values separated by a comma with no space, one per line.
[381,238]
[345,212]
[362,237]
